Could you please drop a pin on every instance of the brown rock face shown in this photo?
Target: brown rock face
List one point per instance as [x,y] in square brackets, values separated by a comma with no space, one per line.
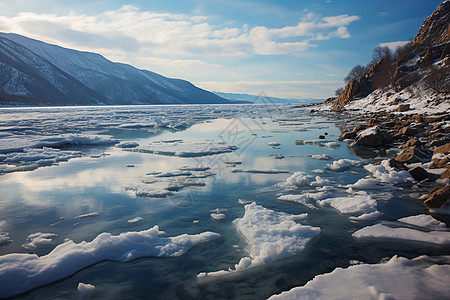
[408,131]
[347,135]
[396,164]
[437,197]
[444,149]
[403,107]
[412,155]
[446,174]
[412,143]
[372,137]
[434,30]
[355,88]
[440,163]
[418,173]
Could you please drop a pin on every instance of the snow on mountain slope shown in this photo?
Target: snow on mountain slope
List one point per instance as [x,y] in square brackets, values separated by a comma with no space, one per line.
[27,76]
[119,83]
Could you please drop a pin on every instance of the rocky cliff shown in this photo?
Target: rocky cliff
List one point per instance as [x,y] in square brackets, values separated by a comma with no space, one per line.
[424,63]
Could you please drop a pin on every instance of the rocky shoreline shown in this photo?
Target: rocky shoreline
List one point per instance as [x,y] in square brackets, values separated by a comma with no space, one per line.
[424,141]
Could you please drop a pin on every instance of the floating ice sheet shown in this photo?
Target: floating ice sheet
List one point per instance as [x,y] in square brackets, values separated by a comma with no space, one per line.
[400,233]
[425,221]
[343,164]
[260,171]
[358,204]
[271,236]
[188,150]
[399,278]
[304,198]
[21,272]
[39,240]
[19,143]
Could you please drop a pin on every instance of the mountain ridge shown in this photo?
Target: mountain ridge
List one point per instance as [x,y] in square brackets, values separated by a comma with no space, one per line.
[98,80]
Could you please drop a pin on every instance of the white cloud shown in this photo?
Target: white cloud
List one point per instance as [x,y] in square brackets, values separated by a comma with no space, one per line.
[129,29]
[394,45]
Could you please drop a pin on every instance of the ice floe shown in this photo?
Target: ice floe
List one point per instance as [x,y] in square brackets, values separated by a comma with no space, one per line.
[92,214]
[320,156]
[21,272]
[85,288]
[399,278]
[299,179]
[127,145]
[358,204]
[218,216]
[260,171]
[425,221]
[135,220]
[401,233]
[343,164]
[188,149]
[271,236]
[19,143]
[4,238]
[387,174]
[39,240]
[304,198]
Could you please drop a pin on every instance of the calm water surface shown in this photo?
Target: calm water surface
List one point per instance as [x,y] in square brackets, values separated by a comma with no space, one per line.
[48,199]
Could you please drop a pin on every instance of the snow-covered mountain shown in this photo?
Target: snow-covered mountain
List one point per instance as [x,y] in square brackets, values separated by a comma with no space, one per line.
[34,72]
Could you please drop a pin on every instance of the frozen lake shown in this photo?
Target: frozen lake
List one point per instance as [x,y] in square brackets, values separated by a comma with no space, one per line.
[193,202]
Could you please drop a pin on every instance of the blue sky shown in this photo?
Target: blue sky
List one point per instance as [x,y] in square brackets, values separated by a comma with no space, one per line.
[291,49]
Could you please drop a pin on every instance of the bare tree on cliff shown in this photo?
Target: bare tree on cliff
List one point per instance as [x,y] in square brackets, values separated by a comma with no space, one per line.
[438,79]
[356,72]
[383,67]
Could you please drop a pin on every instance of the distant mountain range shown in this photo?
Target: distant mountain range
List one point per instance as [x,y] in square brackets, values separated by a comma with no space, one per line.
[36,73]
[265,98]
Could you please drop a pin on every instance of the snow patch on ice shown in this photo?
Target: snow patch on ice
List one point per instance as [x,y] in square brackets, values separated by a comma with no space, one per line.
[85,288]
[386,232]
[343,164]
[357,203]
[39,240]
[425,221]
[135,220]
[260,171]
[320,156]
[188,150]
[21,272]
[271,236]
[387,174]
[305,198]
[399,278]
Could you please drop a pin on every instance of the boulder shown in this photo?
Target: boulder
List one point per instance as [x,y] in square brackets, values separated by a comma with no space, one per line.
[444,149]
[412,143]
[396,164]
[321,137]
[403,107]
[446,174]
[372,137]
[358,128]
[396,101]
[437,143]
[419,173]
[438,197]
[412,155]
[440,162]
[347,135]
[408,131]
